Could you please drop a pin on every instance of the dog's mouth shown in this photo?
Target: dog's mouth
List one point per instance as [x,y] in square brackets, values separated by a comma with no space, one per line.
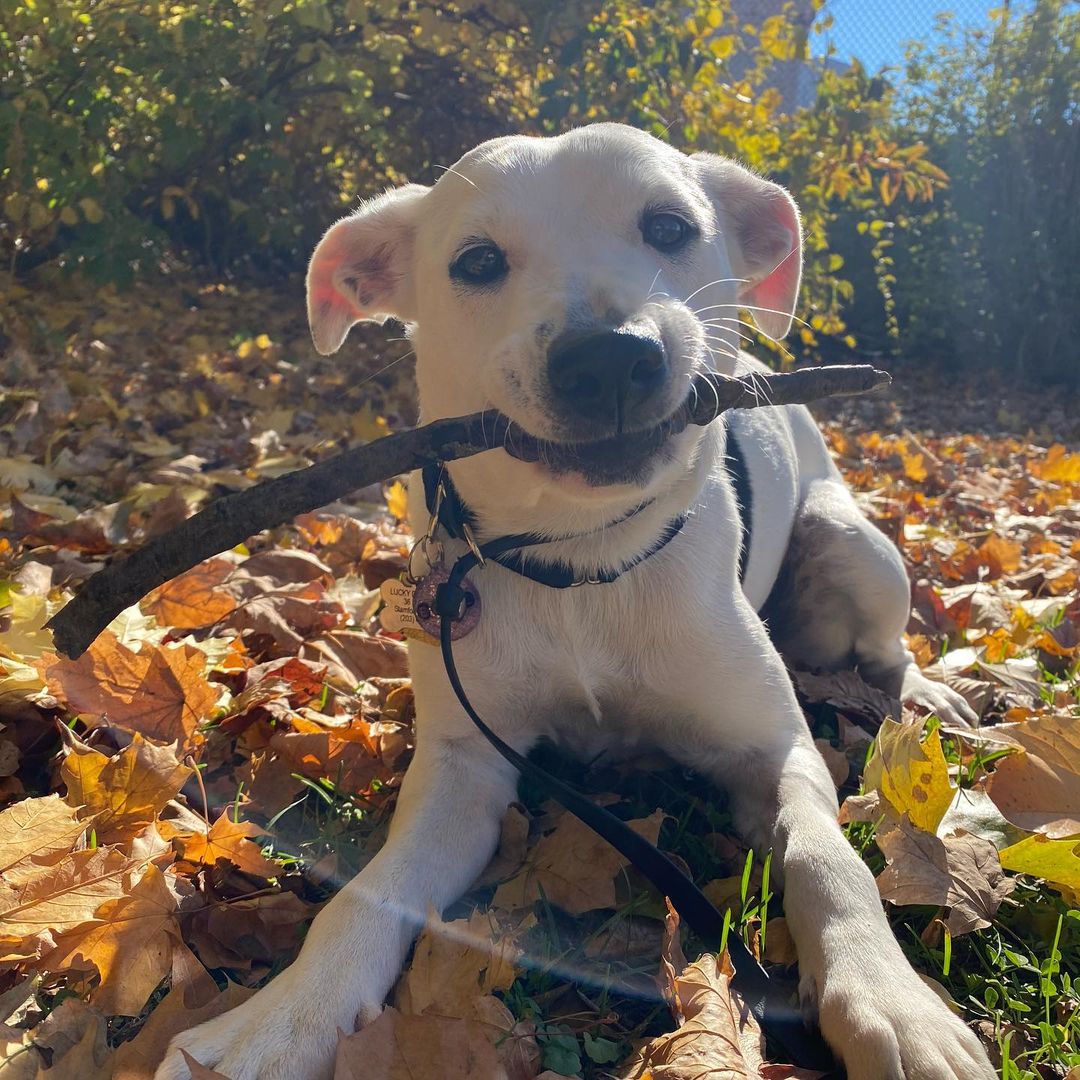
[620,459]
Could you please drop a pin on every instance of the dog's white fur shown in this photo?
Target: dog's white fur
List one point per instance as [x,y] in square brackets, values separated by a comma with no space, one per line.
[672,655]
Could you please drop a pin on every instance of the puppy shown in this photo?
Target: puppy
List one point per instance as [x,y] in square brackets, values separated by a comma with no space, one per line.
[576,284]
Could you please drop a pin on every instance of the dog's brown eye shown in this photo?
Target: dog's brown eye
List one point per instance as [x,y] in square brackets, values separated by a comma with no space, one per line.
[665,231]
[482,264]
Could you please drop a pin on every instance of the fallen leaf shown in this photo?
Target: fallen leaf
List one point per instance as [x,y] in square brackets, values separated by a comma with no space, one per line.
[130,945]
[195,598]
[573,867]
[123,792]
[961,872]
[231,840]
[63,896]
[193,998]
[911,773]
[1056,861]
[159,691]
[34,834]
[454,964]
[1038,788]
[398,1047]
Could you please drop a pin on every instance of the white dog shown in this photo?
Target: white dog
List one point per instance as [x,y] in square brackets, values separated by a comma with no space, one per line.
[576,284]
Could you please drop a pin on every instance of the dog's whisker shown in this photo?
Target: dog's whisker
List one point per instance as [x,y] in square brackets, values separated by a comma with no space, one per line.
[453,172]
[710,284]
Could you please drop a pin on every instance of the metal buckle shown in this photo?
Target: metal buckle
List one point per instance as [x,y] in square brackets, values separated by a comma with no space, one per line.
[473,546]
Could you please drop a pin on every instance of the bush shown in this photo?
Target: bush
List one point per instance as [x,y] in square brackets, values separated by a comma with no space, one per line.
[226,134]
[991,275]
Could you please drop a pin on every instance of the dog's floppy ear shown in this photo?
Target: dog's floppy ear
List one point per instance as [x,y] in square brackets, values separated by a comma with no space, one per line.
[363,267]
[763,220]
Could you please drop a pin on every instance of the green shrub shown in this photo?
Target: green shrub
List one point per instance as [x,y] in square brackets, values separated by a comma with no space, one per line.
[226,134]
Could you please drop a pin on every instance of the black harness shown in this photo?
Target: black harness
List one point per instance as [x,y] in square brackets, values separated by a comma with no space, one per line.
[780,1021]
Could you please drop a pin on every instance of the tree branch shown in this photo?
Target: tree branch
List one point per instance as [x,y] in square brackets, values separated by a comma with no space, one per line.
[231,520]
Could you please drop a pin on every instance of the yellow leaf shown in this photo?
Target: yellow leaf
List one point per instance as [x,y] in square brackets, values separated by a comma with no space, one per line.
[245,349]
[914,469]
[35,834]
[125,791]
[129,944]
[397,500]
[1056,861]
[911,774]
[263,341]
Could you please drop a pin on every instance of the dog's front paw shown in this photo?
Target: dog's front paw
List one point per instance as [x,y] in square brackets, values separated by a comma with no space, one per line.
[892,1026]
[287,1031]
[941,700]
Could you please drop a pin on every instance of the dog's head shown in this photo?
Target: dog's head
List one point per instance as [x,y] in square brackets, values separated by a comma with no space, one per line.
[575,284]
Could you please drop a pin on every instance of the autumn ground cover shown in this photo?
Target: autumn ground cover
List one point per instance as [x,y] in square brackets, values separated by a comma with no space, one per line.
[181,799]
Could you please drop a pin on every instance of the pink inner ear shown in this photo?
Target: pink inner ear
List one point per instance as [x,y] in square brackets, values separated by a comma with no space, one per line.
[776,294]
[334,293]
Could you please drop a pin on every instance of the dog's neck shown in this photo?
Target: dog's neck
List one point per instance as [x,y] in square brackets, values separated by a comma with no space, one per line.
[601,533]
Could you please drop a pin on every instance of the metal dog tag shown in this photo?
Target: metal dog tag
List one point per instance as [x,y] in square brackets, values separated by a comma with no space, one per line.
[423,604]
[397,615]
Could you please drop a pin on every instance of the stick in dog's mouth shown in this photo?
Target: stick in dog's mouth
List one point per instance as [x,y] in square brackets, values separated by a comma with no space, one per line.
[623,454]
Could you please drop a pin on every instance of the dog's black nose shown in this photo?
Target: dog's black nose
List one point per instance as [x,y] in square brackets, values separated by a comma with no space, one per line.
[606,375]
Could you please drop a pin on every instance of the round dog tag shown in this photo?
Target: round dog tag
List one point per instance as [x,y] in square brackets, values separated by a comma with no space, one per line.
[424,604]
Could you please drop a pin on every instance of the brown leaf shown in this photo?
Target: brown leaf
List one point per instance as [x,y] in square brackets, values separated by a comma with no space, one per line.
[199,1071]
[398,1047]
[961,872]
[354,656]
[573,867]
[161,692]
[1038,789]
[64,896]
[123,792]
[456,963]
[194,599]
[130,945]
[34,834]
[192,999]
[250,933]
[231,840]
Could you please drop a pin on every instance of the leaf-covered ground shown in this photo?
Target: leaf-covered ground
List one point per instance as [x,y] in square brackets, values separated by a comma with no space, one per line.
[181,799]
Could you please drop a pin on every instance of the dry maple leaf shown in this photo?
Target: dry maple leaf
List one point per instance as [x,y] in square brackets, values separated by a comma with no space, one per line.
[454,964]
[193,997]
[717,1035]
[230,840]
[194,599]
[159,691]
[398,1047]
[960,872]
[62,897]
[130,946]
[1038,789]
[35,834]
[125,791]
[573,867]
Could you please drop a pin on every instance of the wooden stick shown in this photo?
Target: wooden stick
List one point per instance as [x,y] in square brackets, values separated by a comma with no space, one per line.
[232,519]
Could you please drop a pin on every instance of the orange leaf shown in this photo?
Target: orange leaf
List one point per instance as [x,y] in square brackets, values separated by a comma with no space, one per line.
[194,599]
[125,791]
[161,692]
[35,834]
[228,839]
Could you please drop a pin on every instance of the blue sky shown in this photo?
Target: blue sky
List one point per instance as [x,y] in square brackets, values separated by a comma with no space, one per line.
[874,31]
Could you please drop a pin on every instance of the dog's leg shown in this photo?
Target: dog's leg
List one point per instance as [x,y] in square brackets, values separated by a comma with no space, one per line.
[877,1014]
[844,599]
[444,830]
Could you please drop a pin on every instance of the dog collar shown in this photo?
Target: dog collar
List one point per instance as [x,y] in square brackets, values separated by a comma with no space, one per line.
[446,506]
